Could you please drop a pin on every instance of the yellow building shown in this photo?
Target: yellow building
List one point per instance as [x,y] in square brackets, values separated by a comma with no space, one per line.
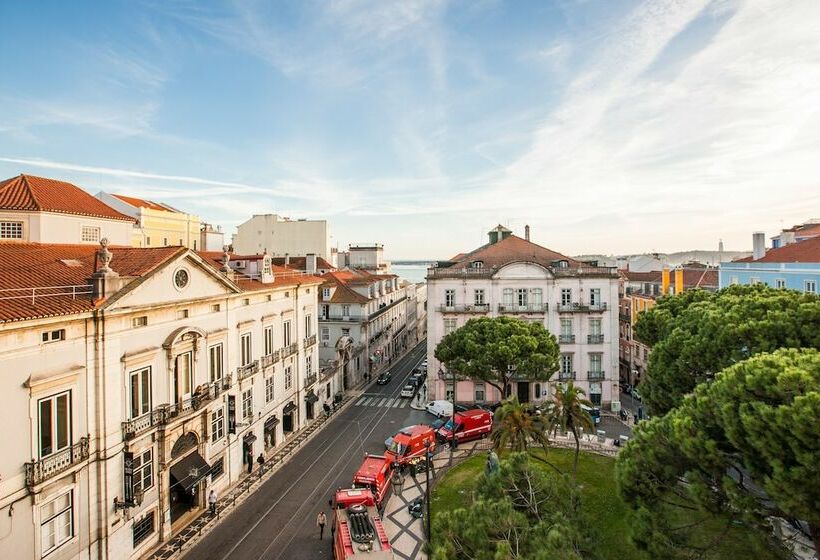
[157,224]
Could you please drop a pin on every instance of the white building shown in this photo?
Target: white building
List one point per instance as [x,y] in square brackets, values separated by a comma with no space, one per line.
[282,236]
[367,256]
[39,210]
[512,276]
[211,238]
[135,380]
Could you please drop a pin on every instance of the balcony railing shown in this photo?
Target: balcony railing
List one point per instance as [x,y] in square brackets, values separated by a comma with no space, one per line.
[595,375]
[56,463]
[566,375]
[165,413]
[566,339]
[464,308]
[270,359]
[595,339]
[289,350]
[309,341]
[243,372]
[581,307]
[626,317]
[528,308]
[143,423]
[310,379]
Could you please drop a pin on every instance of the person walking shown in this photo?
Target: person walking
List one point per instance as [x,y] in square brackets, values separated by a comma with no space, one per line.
[261,461]
[326,408]
[321,519]
[212,499]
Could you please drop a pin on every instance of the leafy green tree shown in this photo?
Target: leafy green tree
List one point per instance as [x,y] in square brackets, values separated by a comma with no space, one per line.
[518,428]
[494,350]
[694,335]
[740,450]
[565,412]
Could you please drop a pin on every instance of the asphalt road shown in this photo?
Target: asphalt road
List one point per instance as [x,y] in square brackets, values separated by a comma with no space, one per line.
[279,520]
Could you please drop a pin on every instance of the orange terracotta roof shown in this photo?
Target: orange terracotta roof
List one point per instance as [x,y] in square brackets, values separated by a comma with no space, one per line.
[692,277]
[282,276]
[513,249]
[142,203]
[299,263]
[38,194]
[25,266]
[807,251]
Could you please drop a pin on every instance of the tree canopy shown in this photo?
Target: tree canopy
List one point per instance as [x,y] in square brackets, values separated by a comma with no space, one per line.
[696,334]
[494,350]
[741,449]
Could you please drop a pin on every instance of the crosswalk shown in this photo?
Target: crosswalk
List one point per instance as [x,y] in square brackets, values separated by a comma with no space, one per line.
[382,401]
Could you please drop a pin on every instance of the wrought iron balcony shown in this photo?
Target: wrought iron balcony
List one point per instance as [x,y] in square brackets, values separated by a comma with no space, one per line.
[56,463]
[310,379]
[528,308]
[289,350]
[595,339]
[625,317]
[166,413]
[581,307]
[566,339]
[243,372]
[309,341]
[464,308]
[566,375]
[595,375]
[140,424]
[270,359]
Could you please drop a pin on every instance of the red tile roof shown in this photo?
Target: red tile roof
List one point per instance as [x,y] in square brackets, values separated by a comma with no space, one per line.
[512,249]
[37,194]
[142,203]
[282,276]
[807,251]
[692,277]
[298,263]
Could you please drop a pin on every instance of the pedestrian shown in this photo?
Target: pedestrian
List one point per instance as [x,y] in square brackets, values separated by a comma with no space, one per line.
[326,408]
[249,459]
[321,519]
[413,469]
[212,499]
[261,461]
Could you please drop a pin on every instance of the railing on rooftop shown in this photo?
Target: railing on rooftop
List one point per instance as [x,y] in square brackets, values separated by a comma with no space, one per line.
[56,463]
[46,291]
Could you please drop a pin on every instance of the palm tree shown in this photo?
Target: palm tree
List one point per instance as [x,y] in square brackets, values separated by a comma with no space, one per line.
[518,426]
[566,412]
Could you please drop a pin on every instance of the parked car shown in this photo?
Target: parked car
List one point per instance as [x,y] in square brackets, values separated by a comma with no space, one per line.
[424,363]
[468,425]
[416,379]
[594,413]
[408,391]
[384,378]
[440,408]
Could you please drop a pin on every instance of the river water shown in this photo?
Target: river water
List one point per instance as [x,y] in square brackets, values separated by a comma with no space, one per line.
[411,272]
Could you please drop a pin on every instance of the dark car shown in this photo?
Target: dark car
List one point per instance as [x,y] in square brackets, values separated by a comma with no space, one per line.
[384,378]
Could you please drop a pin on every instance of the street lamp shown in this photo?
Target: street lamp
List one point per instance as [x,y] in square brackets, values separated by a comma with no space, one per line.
[428,465]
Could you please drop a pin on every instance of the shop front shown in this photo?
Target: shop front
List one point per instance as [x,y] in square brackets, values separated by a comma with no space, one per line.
[247,450]
[287,418]
[270,432]
[186,488]
[310,402]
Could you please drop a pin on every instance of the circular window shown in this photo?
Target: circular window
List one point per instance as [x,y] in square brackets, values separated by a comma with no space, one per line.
[181,278]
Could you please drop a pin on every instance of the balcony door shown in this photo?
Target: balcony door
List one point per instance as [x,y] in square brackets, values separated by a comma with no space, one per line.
[182,382]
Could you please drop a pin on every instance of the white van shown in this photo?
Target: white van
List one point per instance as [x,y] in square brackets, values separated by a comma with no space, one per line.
[440,408]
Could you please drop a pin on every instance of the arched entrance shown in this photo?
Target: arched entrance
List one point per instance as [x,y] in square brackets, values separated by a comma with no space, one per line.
[186,473]
[344,354]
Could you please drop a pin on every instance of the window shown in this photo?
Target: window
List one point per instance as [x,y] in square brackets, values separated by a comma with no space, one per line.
[268,389]
[140,392]
[480,395]
[268,341]
[477,264]
[595,362]
[308,365]
[508,296]
[308,326]
[164,241]
[217,424]
[143,471]
[90,234]
[183,377]
[11,230]
[345,332]
[325,312]
[269,297]
[288,378]
[325,293]
[754,281]
[246,301]
[247,404]
[54,415]
[595,296]
[566,327]
[734,280]
[537,390]
[449,326]
[810,286]
[180,242]
[215,308]
[345,310]
[478,297]
[521,297]
[536,296]
[325,334]
[143,528]
[245,349]
[215,363]
[137,322]
[56,522]
[566,296]
[194,244]
[182,314]
[595,327]
[566,363]
[449,298]
[148,241]
[286,339]
[780,283]
[53,336]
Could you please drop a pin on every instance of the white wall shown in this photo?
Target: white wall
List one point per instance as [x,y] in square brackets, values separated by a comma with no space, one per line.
[47,227]
[278,236]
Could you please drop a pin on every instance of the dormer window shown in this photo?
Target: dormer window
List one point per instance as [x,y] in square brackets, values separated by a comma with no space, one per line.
[563,264]
[325,293]
[477,264]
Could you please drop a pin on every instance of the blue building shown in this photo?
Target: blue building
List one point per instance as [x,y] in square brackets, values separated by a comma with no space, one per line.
[795,266]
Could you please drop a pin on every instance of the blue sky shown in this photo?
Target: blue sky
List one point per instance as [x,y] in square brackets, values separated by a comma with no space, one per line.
[609,126]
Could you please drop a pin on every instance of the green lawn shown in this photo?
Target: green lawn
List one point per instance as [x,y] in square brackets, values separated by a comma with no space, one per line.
[600,500]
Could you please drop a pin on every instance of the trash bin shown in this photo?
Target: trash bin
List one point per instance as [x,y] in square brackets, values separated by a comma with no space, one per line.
[601,436]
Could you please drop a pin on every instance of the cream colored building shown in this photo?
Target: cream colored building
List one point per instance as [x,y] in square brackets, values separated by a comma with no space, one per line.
[511,276]
[134,381]
[157,224]
[282,236]
[40,210]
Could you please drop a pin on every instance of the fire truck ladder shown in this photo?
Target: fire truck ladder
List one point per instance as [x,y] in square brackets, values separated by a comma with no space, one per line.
[361,528]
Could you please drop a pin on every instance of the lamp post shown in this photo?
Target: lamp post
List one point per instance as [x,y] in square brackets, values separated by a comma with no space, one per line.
[428,465]
[453,430]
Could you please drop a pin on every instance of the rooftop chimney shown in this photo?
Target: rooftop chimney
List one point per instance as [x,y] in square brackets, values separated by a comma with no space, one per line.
[527,233]
[266,274]
[758,245]
[310,263]
[287,259]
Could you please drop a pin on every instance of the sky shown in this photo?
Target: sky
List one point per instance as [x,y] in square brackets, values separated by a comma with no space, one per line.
[608,126]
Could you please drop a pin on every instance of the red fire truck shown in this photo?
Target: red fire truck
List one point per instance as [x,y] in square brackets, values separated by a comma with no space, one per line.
[411,442]
[359,530]
[374,474]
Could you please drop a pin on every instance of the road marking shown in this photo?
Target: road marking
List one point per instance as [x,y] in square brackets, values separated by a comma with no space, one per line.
[367,401]
[381,402]
[396,402]
[403,403]
[360,401]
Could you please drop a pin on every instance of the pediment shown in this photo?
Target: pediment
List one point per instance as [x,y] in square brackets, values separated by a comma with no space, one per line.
[527,270]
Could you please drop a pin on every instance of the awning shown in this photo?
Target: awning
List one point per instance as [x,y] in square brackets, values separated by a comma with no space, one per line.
[271,422]
[249,438]
[290,407]
[189,470]
[311,398]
